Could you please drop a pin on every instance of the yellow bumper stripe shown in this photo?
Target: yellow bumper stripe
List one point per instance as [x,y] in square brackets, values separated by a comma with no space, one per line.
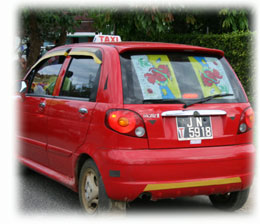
[154,187]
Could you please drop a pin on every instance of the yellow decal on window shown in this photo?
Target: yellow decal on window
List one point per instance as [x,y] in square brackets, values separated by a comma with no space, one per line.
[162,74]
[211,75]
[205,76]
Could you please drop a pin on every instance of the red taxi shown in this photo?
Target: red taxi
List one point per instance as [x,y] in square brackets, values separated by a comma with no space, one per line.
[118,121]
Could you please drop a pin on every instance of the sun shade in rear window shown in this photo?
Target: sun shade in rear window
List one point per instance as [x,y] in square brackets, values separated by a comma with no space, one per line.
[171,76]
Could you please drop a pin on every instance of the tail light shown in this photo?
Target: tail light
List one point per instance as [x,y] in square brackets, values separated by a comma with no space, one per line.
[246,120]
[126,122]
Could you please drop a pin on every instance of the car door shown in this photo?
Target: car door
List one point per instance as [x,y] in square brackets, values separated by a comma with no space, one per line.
[70,112]
[33,109]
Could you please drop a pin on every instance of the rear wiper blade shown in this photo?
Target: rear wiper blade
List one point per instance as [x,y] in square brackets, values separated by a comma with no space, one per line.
[164,101]
[203,100]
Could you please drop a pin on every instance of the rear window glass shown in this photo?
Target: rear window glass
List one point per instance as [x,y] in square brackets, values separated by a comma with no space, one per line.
[156,76]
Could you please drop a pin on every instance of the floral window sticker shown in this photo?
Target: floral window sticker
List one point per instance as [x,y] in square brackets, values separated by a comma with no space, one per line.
[156,77]
[211,76]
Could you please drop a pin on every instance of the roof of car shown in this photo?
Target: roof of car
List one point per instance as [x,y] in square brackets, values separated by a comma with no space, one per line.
[138,46]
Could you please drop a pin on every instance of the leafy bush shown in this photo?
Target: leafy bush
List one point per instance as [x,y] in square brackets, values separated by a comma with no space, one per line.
[237,47]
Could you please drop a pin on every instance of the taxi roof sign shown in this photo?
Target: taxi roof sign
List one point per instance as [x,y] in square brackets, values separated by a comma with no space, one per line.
[106,38]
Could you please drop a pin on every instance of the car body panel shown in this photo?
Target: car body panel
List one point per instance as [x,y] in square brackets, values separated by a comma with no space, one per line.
[33,129]
[67,130]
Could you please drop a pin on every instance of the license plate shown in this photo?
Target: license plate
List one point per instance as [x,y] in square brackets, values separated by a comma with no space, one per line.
[190,128]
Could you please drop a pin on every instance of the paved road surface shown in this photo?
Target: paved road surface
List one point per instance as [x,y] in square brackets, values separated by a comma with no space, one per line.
[39,194]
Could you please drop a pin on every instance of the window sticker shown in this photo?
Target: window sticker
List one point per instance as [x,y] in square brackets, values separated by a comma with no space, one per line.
[211,75]
[156,77]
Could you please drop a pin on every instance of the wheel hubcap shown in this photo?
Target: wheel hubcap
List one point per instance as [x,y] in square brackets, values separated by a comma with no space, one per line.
[91,191]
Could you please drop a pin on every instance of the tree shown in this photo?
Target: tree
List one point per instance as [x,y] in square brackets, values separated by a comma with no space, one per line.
[148,24]
[46,25]
[133,23]
[235,20]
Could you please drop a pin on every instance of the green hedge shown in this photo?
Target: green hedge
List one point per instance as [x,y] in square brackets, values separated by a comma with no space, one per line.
[237,48]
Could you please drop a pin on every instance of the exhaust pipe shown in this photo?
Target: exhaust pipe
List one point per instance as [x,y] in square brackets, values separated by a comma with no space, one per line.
[146,196]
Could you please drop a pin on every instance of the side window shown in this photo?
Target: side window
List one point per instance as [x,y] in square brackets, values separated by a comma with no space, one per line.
[43,78]
[81,79]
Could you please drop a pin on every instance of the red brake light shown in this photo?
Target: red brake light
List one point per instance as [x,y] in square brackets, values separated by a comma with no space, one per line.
[246,120]
[125,122]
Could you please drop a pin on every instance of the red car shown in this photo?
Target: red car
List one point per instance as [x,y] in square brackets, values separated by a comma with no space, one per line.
[118,121]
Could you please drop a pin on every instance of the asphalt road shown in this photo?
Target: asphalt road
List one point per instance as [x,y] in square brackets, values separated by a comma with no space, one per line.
[39,194]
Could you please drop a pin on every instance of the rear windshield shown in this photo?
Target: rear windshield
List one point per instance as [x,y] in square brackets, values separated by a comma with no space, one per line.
[156,76]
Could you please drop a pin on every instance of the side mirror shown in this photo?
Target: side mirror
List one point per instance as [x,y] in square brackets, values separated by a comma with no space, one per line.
[23,87]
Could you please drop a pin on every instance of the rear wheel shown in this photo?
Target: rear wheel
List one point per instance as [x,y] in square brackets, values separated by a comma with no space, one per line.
[230,201]
[92,194]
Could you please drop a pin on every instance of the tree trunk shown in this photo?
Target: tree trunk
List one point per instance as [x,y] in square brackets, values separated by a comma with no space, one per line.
[115,29]
[35,41]
[63,37]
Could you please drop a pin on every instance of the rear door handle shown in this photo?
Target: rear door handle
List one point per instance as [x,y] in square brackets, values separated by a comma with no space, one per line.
[83,110]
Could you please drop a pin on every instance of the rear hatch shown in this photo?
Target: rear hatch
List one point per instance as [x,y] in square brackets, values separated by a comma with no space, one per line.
[184,99]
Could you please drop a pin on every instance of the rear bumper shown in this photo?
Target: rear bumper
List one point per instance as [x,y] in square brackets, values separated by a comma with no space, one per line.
[170,173]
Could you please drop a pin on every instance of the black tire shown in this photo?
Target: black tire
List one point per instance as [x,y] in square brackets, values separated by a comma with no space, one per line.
[230,201]
[92,193]
[23,170]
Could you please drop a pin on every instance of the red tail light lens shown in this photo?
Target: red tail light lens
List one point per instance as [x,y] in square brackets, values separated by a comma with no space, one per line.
[246,120]
[126,122]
